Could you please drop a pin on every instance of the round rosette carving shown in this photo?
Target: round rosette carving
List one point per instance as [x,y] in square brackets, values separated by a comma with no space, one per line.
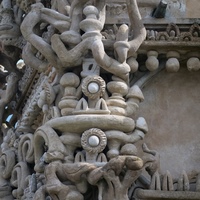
[94,140]
[93,87]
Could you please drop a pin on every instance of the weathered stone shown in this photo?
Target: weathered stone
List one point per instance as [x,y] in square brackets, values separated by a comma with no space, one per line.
[71,114]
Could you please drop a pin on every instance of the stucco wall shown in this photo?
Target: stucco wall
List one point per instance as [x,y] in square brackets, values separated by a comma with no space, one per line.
[193,8]
[171,109]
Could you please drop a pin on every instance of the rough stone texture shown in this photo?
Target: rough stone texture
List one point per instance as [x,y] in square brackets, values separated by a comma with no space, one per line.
[192,10]
[73,77]
[173,119]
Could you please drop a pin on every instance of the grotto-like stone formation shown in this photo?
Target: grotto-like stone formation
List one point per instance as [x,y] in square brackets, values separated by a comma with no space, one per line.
[72,74]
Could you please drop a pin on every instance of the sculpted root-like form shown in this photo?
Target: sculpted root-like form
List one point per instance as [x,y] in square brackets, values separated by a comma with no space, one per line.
[71,121]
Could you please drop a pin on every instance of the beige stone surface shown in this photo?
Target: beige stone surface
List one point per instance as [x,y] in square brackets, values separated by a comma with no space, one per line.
[171,109]
[192,8]
[68,117]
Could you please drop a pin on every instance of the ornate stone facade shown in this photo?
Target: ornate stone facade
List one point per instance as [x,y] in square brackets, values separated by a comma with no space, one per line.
[74,77]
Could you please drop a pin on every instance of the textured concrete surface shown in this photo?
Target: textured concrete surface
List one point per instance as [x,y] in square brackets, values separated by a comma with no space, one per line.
[192,8]
[172,111]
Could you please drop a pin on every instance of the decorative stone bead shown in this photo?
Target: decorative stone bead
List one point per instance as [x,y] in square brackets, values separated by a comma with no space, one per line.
[117,87]
[70,82]
[93,87]
[172,64]
[129,149]
[91,23]
[90,11]
[193,64]
[93,141]
[152,62]
[69,79]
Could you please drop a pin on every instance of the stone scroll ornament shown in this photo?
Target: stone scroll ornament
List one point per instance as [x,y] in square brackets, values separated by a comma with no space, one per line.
[85,146]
